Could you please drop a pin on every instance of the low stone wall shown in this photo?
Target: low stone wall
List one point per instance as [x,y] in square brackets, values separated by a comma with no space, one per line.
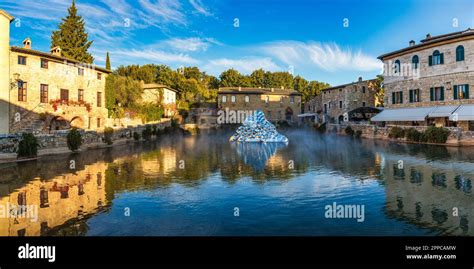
[456,137]
[57,139]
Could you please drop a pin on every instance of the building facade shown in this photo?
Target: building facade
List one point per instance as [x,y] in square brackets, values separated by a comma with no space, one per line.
[42,92]
[163,94]
[276,104]
[429,83]
[343,103]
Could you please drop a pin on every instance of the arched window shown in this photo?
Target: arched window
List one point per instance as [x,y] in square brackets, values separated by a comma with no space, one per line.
[415,61]
[247,99]
[232,98]
[436,58]
[397,67]
[224,99]
[459,54]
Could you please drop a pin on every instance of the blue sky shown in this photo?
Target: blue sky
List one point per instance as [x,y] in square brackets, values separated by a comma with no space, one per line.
[302,36]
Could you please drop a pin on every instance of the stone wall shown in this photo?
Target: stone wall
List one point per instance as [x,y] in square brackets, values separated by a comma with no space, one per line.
[457,136]
[57,139]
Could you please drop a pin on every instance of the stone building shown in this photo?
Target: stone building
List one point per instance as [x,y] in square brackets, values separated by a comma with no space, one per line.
[429,83]
[354,101]
[161,94]
[277,104]
[41,92]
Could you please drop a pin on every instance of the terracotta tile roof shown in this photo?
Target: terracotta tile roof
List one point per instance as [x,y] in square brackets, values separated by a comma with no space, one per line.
[157,86]
[252,90]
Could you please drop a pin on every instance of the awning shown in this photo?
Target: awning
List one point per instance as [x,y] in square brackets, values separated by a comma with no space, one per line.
[442,111]
[306,115]
[403,114]
[463,113]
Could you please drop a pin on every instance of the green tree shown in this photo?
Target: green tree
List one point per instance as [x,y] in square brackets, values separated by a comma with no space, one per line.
[278,79]
[107,62]
[257,78]
[72,37]
[377,85]
[300,84]
[231,78]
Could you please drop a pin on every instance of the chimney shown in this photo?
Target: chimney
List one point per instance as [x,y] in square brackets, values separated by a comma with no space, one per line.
[428,36]
[360,79]
[56,51]
[411,43]
[27,43]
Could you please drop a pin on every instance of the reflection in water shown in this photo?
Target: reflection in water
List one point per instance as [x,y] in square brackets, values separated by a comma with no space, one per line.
[190,186]
[257,154]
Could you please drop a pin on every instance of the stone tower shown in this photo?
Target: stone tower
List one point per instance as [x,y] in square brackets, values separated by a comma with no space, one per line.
[5,20]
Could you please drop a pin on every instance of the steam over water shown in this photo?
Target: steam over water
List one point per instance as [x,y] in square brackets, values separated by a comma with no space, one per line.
[204,185]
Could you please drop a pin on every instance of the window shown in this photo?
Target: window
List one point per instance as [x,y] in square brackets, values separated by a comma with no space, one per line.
[363,104]
[99,76]
[437,94]
[459,54]
[414,96]
[247,99]
[415,61]
[44,93]
[22,60]
[397,97]
[224,99]
[80,71]
[436,58]
[397,67]
[64,96]
[44,63]
[99,99]
[267,99]
[98,122]
[340,104]
[232,98]
[461,91]
[80,95]
[363,89]
[281,99]
[22,90]
[292,99]
[325,108]
[44,201]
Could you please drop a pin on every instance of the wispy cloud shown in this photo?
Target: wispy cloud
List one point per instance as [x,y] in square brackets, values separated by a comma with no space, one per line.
[200,8]
[192,44]
[144,56]
[329,57]
[244,65]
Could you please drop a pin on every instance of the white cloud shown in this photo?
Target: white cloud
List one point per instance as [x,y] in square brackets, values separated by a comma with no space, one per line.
[135,56]
[329,57]
[200,8]
[168,10]
[191,44]
[244,65]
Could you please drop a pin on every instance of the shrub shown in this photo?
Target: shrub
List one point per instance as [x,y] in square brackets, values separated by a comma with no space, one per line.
[358,134]
[108,133]
[74,139]
[28,146]
[349,131]
[413,135]
[155,130]
[146,134]
[174,123]
[436,134]
[136,136]
[396,132]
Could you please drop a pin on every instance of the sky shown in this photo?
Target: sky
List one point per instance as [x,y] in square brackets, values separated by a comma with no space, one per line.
[334,41]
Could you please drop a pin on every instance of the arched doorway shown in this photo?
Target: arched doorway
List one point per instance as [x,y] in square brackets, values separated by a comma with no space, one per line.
[341,119]
[59,123]
[77,122]
[289,114]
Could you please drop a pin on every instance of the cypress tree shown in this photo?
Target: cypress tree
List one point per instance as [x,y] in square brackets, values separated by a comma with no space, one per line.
[72,37]
[107,62]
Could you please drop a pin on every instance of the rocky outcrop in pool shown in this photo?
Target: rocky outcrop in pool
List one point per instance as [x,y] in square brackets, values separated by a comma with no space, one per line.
[258,129]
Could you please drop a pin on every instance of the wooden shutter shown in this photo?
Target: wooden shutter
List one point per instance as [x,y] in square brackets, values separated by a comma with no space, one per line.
[441,93]
[393,97]
[441,58]
[430,60]
[431,94]
[411,96]
[401,97]
[466,95]
[455,90]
